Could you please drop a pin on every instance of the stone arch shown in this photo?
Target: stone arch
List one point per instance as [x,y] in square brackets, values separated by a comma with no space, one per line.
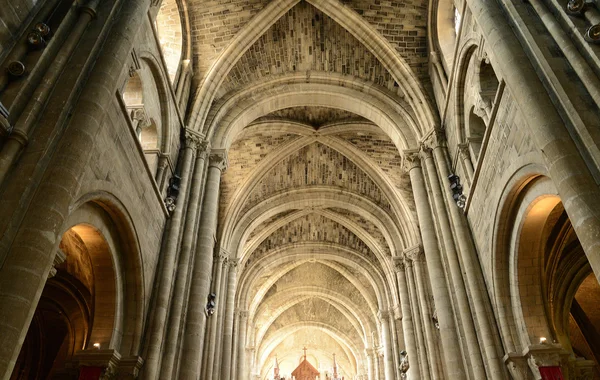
[403,214]
[319,197]
[229,116]
[111,220]
[170,29]
[302,253]
[465,54]
[289,298]
[357,26]
[267,347]
[538,258]
[443,31]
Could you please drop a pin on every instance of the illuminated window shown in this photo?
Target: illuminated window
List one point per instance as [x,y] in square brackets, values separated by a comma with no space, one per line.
[457,18]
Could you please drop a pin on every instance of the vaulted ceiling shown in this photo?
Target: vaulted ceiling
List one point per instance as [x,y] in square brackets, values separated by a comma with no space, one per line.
[315,102]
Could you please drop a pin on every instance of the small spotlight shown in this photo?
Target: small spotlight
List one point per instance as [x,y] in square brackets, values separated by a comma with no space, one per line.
[542,340]
[97,346]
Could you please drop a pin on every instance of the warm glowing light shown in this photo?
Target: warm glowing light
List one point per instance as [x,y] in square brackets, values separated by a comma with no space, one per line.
[97,345]
[542,340]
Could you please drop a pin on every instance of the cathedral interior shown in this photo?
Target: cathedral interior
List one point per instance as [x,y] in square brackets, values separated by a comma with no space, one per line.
[300,189]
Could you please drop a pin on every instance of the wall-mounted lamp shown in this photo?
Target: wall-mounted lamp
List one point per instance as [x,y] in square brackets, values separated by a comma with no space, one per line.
[457,191]
[210,305]
[542,340]
[97,346]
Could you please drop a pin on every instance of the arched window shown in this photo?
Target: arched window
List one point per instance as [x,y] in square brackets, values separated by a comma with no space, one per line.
[169,27]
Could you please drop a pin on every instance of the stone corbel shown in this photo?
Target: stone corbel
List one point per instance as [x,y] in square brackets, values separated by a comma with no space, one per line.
[129,367]
[414,253]
[517,365]
[545,355]
[108,360]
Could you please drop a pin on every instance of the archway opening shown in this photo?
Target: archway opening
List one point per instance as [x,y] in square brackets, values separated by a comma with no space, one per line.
[76,310]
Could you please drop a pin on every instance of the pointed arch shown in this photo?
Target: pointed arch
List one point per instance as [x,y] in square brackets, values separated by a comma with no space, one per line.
[351,21]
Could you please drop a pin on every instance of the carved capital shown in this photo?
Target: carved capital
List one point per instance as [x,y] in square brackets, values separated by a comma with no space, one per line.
[383,315]
[398,262]
[223,255]
[243,314]
[193,139]
[412,159]
[139,114]
[426,152]
[233,263]
[414,253]
[463,150]
[436,139]
[218,159]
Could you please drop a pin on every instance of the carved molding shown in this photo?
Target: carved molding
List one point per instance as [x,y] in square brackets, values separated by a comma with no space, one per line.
[414,253]
[411,160]
[218,159]
[398,263]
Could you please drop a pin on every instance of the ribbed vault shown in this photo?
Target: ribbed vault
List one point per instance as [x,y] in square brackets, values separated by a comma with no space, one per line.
[315,103]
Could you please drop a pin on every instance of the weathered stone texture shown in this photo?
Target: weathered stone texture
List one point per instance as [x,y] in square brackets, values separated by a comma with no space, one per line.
[307,39]
[317,165]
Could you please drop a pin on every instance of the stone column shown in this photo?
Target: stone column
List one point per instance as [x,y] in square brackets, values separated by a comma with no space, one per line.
[464,309]
[220,317]
[407,318]
[465,157]
[211,338]
[421,347]
[449,337]
[415,255]
[371,357]
[243,328]
[488,332]
[200,285]
[31,250]
[164,288]
[576,186]
[386,339]
[228,325]
[172,339]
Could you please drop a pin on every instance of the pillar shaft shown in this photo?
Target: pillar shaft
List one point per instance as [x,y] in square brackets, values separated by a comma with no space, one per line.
[421,347]
[164,288]
[473,273]
[452,359]
[426,314]
[573,179]
[407,321]
[386,338]
[172,339]
[195,326]
[32,248]
[464,309]
[228,323]
[241,351]
[220,317]
[371,357]
[211,337]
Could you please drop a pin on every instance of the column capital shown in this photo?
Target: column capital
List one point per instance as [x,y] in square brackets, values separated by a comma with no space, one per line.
[425,151]
[383,315]
[193,139]
[436,139]
[398,262]
[411,159]
[414,253]
[243,314]
[233,262]
[222,255]
[463,149]
[218,159]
